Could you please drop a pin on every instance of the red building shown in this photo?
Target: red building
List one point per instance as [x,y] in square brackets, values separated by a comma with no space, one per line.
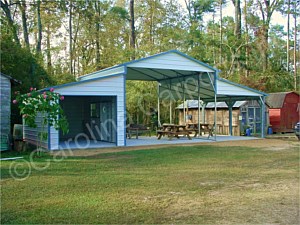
[284,110]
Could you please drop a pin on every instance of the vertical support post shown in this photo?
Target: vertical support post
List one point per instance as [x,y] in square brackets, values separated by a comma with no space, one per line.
[230,104]
[184,116]
[158,105]
[215,116]
[170,111]
[170,87]
[203,112]
[199,132]
[263,116]
[215,91]
[230,120]
[214,86]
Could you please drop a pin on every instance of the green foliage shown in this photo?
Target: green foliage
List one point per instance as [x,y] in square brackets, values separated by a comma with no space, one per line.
[19,63]
[141,98]
[101,34]
[269,81]
[46,104]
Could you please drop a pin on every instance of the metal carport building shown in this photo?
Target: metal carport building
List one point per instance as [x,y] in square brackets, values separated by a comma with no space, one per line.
[179,76]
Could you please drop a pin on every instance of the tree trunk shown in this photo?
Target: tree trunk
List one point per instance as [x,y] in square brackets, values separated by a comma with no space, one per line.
[247,39]
[22,7]
[97,22]
[188,7]
[266,13]
[48,40]
[5,7]
[39,26]
[70,39]
[132,40]
[295,46]
[221,30]
[213,37]
[288,37]
[237,30]
[265,47]
[238,22]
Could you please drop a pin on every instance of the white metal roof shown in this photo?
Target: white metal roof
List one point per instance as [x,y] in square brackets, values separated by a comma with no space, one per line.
[180,77]
[159,67]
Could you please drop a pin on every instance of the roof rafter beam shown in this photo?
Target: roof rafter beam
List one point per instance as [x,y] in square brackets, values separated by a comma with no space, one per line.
[211,90]
[144,74]
[178,77]
[181,92]
[162,74]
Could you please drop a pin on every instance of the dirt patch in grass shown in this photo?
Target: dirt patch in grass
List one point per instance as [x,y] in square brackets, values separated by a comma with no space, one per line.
[266,144]
[271,204]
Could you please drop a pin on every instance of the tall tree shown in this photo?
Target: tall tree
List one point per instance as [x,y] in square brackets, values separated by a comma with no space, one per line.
[295,15]
[11,24]
[71,37]
[288,36]
[39,27]
[97,26]
[23,9]
[237,18]
[221,3]
[196,11]
[247,53]
[266,8]
[237,30]
[132,28]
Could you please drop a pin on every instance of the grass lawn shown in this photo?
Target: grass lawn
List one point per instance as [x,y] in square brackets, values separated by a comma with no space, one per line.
[198,184]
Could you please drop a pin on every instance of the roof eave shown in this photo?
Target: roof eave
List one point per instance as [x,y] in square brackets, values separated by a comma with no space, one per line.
[13,80]
[243,86]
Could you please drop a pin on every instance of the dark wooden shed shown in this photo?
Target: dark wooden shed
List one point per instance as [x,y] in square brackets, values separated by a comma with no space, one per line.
[244,114]
[283,110]
[6,83]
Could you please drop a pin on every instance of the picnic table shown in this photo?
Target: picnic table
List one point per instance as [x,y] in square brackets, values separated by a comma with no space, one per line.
[173,130]
[204,127]
[137,129]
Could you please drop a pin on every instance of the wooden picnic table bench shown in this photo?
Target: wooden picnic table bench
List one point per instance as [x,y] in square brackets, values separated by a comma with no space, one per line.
[137,129]
[204,128]
[173,130]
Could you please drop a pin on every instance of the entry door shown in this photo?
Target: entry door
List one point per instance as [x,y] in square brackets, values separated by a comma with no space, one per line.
[95,133]
[106,121]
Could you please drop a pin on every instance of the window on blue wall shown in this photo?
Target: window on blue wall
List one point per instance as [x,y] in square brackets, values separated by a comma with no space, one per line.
[250,115]
[257,115]
[93,110]
[244,118]
[257,120]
